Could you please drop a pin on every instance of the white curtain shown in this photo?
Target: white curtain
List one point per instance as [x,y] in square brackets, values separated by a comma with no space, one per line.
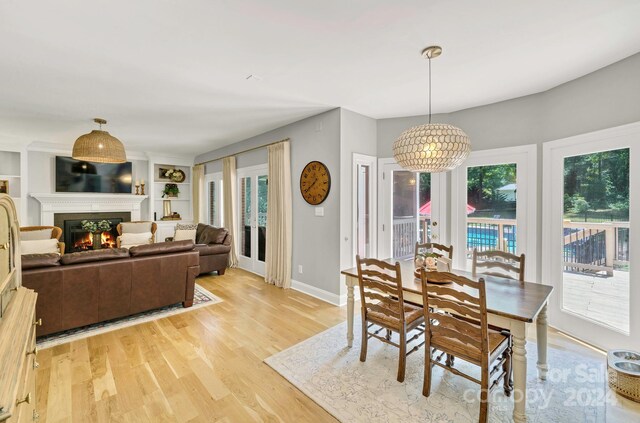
[229,203]
[197,185]
[279,211]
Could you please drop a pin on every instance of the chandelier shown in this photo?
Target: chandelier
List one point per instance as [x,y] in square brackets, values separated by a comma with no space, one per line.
[99,146]
[432,147]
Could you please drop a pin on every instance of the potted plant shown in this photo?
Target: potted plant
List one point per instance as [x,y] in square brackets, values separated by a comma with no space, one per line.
[170,190]
[96,227]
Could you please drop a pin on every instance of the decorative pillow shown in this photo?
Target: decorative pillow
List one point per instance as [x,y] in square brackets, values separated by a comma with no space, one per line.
[37,235]
[186,226]
[42,246]
[128,240]
[185,234]
[135,227]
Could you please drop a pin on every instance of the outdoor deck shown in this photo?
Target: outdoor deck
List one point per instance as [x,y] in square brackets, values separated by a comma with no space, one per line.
[601,298]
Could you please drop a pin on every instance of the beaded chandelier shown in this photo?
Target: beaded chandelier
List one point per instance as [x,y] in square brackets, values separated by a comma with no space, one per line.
[432,147]
[99,146]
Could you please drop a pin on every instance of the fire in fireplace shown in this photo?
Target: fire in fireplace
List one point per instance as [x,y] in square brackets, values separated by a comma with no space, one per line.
[77,239]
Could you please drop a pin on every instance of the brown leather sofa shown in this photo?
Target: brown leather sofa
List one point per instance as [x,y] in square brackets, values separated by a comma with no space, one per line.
[213,244]
[83,288]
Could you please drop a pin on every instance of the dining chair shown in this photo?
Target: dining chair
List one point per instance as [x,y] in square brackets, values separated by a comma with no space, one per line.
[434,247]
[447,296]
[383,306]
[498,263]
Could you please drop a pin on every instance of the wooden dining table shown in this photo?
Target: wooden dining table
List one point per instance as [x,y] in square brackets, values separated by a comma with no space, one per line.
[511,304]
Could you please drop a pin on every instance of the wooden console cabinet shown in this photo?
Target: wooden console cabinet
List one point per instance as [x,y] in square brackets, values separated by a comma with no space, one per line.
[17,325]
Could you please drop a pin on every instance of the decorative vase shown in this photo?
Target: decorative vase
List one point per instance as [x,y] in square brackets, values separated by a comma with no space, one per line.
[97,240]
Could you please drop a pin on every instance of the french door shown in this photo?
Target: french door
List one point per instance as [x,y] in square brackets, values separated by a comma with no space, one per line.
[252,207]
[364,206]
[493,204]
[592,195]
[411,209]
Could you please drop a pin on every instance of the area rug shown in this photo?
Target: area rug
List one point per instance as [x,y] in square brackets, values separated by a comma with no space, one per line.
[201,298]
[330,373]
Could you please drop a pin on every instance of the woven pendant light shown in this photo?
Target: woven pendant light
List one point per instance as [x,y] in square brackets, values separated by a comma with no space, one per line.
[99,146]
[432,147]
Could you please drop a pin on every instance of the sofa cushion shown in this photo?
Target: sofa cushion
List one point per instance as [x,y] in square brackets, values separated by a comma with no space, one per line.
[161,248]
[36,235]
[94,255]
[129,240]
[207,234]
[135,227]
[210,249]
[34,261]
[41,246]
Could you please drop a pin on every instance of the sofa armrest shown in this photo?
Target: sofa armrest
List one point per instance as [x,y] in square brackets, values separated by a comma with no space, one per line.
[192,272]
[227,239]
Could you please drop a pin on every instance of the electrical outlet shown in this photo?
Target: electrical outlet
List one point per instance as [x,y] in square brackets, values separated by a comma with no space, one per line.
[300,268]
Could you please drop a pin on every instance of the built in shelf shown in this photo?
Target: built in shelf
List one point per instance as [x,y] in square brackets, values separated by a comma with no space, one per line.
[9,176]
[169,182]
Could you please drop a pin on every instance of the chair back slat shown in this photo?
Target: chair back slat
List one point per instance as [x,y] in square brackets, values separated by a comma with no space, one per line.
[462,297]
[443,250]
[455,307]
[508,265]
[376,275]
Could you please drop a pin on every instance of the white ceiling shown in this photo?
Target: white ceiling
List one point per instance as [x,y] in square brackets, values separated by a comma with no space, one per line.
[170,75]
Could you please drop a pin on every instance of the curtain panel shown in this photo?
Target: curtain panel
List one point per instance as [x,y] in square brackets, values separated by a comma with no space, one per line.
[197,181]
[229,179]
[279,216]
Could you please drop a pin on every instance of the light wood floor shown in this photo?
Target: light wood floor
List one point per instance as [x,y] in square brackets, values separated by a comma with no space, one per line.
[201,366]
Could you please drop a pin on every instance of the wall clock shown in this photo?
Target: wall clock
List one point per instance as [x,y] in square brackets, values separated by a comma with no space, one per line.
[315,182]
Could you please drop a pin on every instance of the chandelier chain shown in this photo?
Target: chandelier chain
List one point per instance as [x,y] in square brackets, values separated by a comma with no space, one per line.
[429,89]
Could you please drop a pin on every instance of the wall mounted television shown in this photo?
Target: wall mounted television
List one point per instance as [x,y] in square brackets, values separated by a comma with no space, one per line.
[80,176]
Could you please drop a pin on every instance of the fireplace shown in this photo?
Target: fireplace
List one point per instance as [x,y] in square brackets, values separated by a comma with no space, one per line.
[77,239]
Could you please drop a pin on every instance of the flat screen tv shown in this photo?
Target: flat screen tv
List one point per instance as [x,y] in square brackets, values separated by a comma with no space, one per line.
[79,176]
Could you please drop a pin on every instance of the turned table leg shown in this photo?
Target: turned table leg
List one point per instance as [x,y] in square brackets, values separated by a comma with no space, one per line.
[519,362]
[351,282]
[541,335]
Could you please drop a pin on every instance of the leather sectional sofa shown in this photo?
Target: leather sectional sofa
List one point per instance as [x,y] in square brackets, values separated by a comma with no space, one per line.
[213,245]
[80,289]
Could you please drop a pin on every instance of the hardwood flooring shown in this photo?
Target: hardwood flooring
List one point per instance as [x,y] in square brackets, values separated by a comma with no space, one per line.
[201,366]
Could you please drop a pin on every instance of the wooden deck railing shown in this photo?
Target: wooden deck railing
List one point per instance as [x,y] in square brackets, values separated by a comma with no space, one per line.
[588,247]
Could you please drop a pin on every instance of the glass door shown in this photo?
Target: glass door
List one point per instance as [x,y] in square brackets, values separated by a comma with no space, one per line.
[252,196]
[494,205]
[591,220]
[364,203]
[213,204]
[411,210]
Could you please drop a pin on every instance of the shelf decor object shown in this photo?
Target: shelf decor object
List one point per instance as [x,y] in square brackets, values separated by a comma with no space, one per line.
[4,186]
[166,208]
[431,147]
[99,146]
[170,190]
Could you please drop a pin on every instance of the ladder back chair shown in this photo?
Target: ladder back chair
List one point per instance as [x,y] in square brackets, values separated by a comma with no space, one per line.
[467,337]
[383,306]
[440,249]
[498,263]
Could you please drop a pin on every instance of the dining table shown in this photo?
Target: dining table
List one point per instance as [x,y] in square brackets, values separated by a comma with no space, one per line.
[511,304]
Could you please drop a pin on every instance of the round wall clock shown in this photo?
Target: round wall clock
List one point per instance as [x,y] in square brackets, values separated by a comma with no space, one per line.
[315,182]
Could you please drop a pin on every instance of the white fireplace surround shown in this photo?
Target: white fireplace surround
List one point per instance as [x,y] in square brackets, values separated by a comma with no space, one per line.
[87,203]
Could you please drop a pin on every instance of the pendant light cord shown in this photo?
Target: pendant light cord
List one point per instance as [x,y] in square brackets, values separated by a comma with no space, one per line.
[429,89]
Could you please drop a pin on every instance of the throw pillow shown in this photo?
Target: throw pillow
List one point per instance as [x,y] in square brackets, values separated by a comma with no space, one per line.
[35,235]
[135,227]
[128,240]
[186,226]
[41,246]
[185,234]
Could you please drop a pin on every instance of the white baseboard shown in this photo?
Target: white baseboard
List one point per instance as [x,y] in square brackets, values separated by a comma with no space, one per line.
[321,294]
[318,293]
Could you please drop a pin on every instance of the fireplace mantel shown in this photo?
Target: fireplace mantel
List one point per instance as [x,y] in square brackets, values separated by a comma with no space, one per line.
[51,203]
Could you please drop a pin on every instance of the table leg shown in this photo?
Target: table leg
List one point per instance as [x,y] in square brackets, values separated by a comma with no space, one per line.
[519,362]
[351,282]
[541,335]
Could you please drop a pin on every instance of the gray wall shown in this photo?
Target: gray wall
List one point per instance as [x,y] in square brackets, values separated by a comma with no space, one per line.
[606,98]
[358,134]
[315,239]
